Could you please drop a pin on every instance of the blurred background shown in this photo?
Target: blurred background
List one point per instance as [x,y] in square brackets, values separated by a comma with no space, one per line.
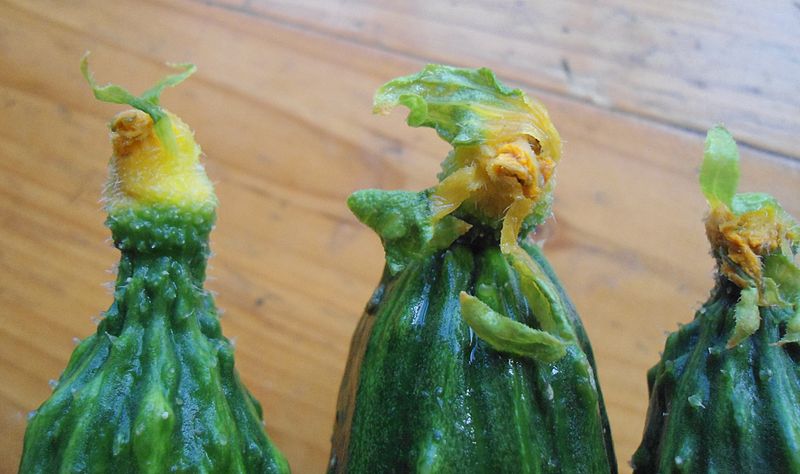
[281,106]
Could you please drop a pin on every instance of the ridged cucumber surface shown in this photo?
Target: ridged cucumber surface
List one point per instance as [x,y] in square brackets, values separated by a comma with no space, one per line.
[725,396]
[469,356]
[421,393]
[154,389]
[714,409]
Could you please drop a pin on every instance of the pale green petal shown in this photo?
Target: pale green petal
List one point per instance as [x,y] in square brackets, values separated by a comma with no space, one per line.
[465,106]
[719,173]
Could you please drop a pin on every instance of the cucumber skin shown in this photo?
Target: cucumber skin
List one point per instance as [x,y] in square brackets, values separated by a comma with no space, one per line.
[155,389]
[421,394]
[744,415]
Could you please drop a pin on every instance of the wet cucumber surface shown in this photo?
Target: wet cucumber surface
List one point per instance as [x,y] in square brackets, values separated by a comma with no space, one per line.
[155,389]
[421,393]
[714,409]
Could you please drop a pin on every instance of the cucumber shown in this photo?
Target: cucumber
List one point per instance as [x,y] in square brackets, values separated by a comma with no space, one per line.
[155,388]
[725,396]
[469,356]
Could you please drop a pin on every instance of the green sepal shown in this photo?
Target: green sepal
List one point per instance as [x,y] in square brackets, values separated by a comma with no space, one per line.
[464,106]
[770,294]
[542,210]
[541,295]
[792,327]
[504,334]
[785,274]
[148,102]
[404,222]
[719,173]
[747,317]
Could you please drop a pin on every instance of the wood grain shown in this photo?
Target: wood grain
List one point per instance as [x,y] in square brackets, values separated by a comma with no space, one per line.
[282,110]
[685,63]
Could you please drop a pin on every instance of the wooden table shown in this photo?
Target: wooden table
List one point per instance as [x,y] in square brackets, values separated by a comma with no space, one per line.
[281,105]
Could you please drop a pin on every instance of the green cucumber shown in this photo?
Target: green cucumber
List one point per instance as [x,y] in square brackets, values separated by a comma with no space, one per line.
[725,396]
[439,380]
[154,389]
